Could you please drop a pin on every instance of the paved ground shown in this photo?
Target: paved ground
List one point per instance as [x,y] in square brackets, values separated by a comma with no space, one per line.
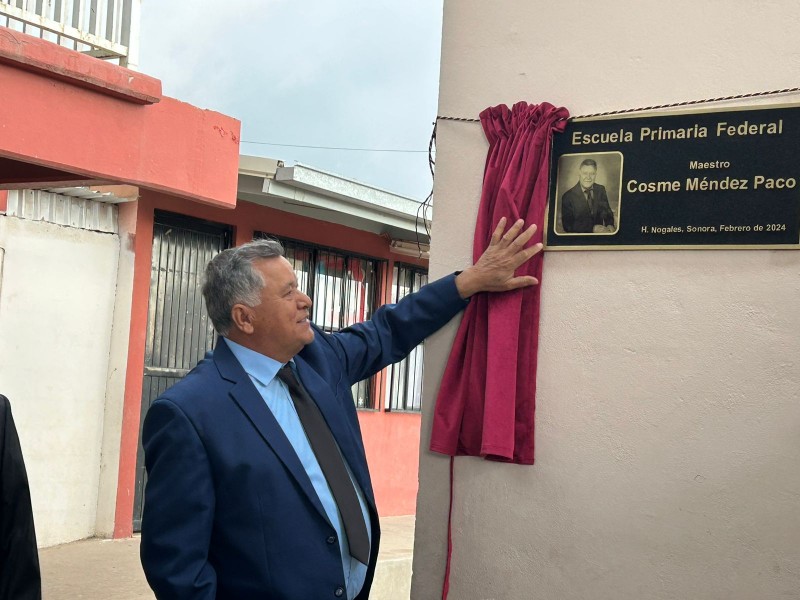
[98,569]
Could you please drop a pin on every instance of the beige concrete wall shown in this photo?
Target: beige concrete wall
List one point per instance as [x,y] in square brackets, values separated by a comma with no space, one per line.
[56,310]
[668,413]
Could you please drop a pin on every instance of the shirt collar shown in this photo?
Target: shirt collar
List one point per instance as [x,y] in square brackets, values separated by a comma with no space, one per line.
[256,365]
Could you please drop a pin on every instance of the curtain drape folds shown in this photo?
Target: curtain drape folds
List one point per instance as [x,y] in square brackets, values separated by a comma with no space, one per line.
[485,406]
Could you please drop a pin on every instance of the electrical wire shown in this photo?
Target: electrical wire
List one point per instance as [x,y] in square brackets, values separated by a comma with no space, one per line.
[335,147]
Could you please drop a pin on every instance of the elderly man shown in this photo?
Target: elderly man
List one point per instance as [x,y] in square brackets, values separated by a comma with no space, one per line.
[584,207]
[257,478]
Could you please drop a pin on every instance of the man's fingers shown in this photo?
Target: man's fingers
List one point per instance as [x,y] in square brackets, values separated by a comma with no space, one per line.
[512,234]
[520,282]
[498,231]
[524,237]
[535,249]
[523,256]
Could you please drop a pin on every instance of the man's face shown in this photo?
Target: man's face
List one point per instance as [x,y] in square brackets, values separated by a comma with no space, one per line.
[280,323]
[587,176]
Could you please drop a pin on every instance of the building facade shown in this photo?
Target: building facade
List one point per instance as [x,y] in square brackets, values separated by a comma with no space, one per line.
[667,417]
[107,218]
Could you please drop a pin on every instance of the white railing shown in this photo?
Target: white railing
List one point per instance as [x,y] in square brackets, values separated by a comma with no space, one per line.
[106,29]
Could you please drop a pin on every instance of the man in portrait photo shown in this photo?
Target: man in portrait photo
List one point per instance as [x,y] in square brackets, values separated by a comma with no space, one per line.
[584,207]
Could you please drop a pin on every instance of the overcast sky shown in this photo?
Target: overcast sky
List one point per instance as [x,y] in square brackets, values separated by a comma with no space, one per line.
[346,73]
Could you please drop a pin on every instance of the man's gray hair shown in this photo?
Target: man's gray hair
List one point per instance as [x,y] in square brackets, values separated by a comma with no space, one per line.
[231,279]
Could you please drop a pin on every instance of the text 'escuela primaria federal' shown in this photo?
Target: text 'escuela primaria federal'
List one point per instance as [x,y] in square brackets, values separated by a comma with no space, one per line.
[659,134]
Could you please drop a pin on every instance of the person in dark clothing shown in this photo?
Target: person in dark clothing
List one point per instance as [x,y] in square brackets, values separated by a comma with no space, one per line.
[19,559]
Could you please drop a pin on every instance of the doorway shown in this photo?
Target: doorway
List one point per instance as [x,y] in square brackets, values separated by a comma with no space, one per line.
[179,332]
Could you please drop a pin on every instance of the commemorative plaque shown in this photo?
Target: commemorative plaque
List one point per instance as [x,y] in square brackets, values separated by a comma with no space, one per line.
[691,180]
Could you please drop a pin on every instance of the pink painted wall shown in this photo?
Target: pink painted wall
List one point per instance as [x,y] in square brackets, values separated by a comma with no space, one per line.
[74,114]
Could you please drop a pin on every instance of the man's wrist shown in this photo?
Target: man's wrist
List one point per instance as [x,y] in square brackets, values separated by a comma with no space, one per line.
[465,284]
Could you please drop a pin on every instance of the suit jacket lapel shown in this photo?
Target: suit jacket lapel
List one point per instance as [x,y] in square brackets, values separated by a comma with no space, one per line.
[252,404]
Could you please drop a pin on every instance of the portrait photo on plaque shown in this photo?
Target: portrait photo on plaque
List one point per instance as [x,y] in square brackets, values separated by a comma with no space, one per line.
[588,191]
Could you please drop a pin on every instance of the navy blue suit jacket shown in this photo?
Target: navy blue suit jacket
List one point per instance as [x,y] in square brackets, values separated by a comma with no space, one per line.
[229,511]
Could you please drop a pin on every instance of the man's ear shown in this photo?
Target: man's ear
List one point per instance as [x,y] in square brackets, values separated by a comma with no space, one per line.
[243,316]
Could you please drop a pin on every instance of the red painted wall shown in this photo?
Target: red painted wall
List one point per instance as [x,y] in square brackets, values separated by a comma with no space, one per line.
[3,201]
[392,444]
[85,119]
[391,439]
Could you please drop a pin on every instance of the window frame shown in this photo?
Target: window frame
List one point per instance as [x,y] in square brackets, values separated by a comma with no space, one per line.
[401,368]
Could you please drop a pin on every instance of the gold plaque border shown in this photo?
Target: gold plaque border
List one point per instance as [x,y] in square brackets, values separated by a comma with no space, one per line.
[676,247]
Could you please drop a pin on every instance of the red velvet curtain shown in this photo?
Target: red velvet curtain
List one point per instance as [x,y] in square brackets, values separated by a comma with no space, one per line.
[486,402]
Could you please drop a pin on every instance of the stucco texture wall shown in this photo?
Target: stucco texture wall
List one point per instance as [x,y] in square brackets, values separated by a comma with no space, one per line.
[668,420]
[56,308]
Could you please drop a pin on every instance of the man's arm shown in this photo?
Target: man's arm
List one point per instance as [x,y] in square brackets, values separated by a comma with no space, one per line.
[178,507]
[567,213]
[395,330]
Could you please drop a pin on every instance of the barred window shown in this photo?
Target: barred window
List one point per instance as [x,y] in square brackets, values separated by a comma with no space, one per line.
[404,384]
[344,291]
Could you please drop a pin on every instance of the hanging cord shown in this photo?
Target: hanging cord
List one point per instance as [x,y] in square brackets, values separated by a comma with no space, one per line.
[426,205]
[446,583]
[626,111]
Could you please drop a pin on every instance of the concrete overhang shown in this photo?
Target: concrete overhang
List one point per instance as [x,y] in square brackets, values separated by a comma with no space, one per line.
[314,193]
[73,120]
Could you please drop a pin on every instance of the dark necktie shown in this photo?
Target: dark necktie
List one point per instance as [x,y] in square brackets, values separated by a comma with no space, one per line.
[590,200]
[332,464]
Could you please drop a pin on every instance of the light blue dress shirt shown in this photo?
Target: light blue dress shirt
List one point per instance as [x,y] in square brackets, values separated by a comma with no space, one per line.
[262,371]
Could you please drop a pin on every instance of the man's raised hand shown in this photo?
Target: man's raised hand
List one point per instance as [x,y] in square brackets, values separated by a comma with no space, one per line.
[494,270]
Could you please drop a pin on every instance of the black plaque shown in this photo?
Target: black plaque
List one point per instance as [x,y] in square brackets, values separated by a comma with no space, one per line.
[723,179]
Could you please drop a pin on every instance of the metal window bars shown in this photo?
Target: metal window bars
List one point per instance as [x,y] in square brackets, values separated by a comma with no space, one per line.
[404,384]
[106,29]
[344,290]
